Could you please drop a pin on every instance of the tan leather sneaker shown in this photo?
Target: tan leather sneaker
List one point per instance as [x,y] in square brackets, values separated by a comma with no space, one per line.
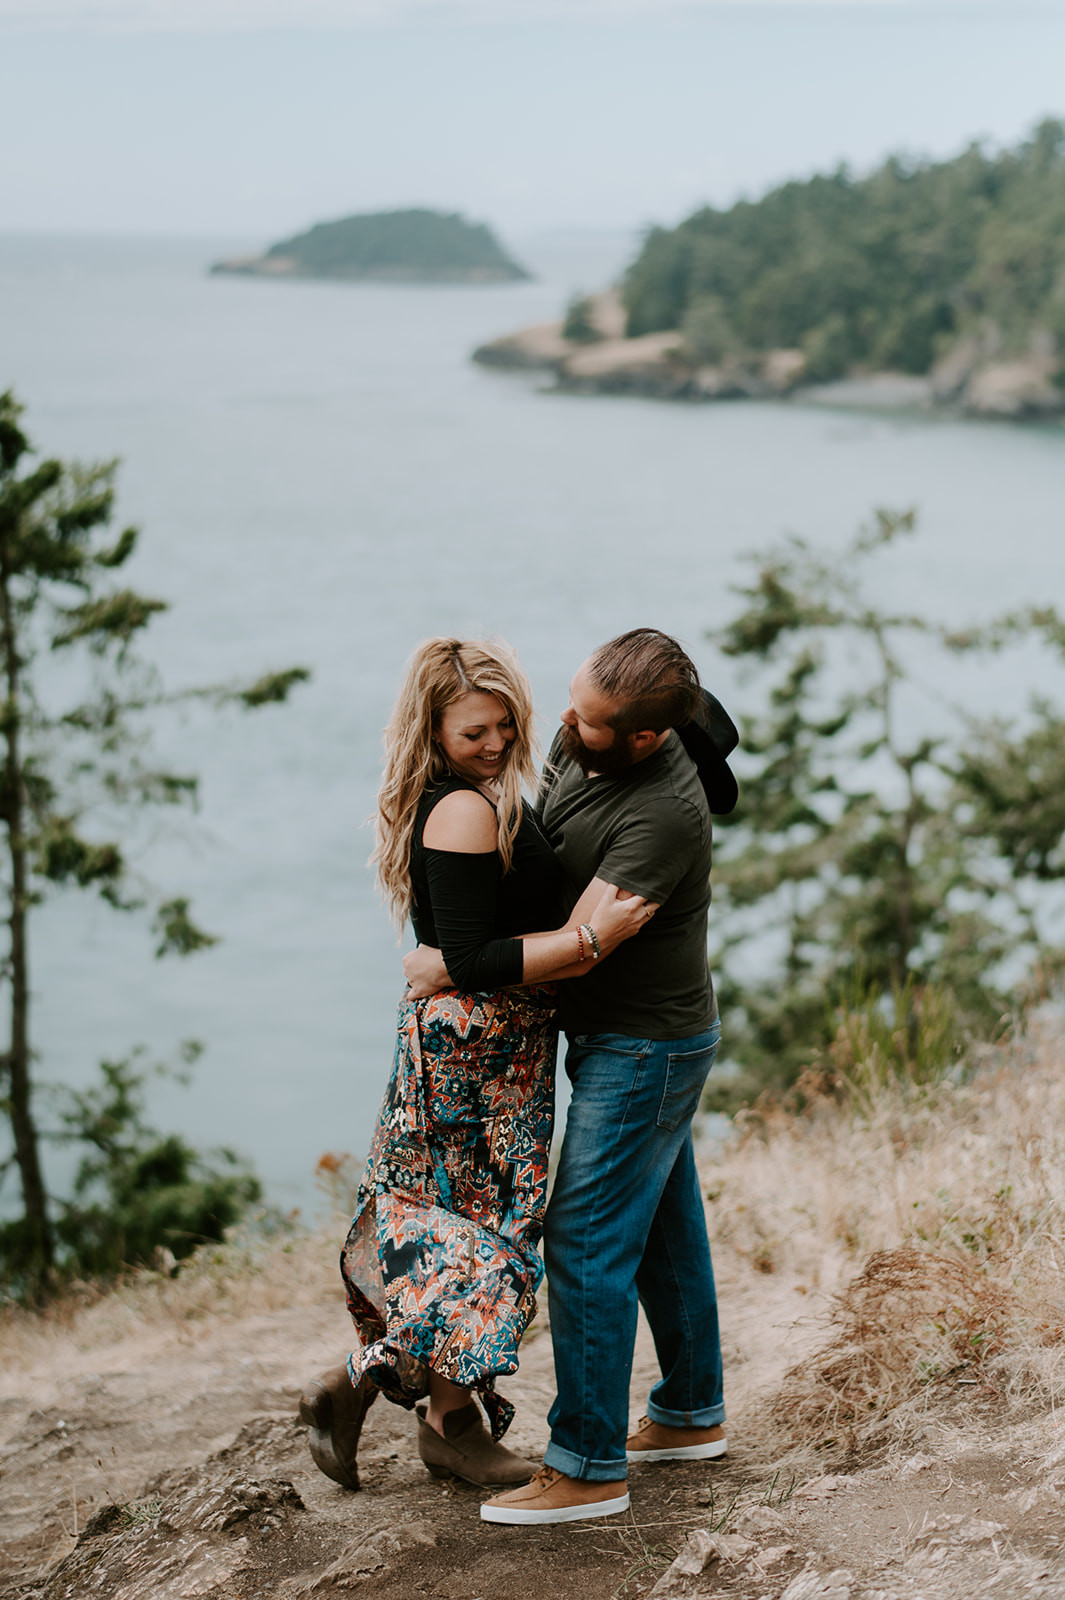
[553,1497]
[654,1441]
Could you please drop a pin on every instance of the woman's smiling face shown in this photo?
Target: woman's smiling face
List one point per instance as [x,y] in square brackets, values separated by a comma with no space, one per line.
[475,733]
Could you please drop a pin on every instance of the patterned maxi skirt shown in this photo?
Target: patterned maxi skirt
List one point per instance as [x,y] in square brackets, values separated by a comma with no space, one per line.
[441,1264]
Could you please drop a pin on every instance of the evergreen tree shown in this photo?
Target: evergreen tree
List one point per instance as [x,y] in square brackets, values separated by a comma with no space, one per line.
[886,271]
[59,594]
[868,862]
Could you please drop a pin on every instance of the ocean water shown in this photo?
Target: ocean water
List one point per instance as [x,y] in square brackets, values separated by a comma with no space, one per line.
[322,477]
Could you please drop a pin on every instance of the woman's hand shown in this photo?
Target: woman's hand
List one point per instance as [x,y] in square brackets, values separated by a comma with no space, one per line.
[425,972]
[618,916]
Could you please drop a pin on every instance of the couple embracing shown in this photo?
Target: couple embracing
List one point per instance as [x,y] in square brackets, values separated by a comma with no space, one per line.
[586,912]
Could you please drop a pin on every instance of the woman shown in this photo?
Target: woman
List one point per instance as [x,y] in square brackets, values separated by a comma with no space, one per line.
[441,1263]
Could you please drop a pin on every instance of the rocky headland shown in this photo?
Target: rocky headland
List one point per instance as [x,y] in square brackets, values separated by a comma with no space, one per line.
[921,284]
[974,378]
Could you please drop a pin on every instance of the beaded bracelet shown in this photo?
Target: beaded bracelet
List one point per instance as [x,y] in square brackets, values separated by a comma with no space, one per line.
[587,928]
[580,945]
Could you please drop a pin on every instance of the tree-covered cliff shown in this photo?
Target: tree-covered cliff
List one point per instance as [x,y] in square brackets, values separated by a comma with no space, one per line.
[889,271]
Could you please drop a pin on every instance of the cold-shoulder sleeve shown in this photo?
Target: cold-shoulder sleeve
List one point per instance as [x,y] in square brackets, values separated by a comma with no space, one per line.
[463,890]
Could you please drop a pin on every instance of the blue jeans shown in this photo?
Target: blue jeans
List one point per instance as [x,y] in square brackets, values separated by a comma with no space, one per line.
[625,1223]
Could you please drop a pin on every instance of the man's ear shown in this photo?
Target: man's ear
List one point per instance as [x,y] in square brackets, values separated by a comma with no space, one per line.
[640,741]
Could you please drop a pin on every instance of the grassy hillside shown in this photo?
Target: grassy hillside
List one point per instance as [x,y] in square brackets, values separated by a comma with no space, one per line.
[883,272]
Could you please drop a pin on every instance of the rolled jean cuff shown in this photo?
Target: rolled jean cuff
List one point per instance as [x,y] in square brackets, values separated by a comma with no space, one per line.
[708,1417]
[575,1466]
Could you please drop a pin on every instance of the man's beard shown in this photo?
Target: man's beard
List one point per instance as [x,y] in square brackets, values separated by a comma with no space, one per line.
[608,763]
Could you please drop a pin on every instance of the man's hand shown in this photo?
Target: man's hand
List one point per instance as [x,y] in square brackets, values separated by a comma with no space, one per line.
[426,972]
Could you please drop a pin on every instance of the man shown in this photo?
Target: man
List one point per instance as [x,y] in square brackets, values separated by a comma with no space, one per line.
[624,803]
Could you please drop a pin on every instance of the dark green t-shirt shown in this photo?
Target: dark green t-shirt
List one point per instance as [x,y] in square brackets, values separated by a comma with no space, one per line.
[647,831]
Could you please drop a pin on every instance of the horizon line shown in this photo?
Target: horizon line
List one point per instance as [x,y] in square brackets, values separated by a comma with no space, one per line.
[148,17]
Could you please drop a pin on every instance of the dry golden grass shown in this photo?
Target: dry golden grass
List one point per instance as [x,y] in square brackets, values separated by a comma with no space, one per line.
[910,1318]
[929,1220]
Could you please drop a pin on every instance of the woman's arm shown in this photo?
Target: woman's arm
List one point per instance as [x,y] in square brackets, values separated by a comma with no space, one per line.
[613,914]
[461,867]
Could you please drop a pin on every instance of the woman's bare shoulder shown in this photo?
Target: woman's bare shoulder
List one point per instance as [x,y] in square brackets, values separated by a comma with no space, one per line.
[463,820]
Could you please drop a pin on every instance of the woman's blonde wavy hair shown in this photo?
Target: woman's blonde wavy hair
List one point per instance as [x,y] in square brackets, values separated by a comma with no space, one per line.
[440,672]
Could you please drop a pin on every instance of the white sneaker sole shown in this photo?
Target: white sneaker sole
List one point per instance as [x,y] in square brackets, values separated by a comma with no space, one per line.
[517,1514]
[684,1452]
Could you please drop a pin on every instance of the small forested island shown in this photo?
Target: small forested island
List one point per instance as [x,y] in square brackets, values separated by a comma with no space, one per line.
[417,246]
[928,283]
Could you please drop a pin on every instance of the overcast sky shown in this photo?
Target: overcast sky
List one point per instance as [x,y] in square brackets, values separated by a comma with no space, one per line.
[248,119]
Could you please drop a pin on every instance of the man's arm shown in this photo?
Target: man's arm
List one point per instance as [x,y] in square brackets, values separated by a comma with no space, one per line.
[427,973]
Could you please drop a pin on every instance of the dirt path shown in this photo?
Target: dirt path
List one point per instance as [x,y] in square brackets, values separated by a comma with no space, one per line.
[150,1452]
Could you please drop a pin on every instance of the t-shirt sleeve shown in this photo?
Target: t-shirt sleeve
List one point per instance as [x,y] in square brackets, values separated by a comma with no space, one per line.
[462,893]
[651,851]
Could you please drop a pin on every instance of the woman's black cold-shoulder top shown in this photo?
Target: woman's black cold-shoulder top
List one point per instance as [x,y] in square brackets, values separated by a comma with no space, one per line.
[474,912]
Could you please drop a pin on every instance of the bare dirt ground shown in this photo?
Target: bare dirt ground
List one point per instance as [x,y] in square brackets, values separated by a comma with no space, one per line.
[150,1452]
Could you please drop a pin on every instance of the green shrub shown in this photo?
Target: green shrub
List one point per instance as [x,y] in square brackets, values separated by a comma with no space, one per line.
[139,1196]
[579,324]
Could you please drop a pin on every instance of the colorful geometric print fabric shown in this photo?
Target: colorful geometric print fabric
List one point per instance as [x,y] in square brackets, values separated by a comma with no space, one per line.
[441,1264]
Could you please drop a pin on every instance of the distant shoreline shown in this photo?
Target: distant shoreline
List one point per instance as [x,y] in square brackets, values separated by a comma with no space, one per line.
[280,268]
[655,366]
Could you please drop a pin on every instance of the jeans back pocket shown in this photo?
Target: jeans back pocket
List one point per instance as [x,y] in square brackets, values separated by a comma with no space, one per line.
[686,1074]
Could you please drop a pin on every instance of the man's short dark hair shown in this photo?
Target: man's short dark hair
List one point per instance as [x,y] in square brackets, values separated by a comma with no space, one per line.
[654,680]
